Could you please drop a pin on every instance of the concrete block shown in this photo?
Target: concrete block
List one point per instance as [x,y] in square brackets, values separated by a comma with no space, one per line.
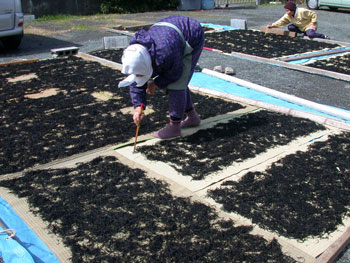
[239,24]
[138,27]
[66,51]
[115,42]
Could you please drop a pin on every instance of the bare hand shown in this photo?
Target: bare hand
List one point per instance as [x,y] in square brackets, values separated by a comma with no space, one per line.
[151,87]
[138,116]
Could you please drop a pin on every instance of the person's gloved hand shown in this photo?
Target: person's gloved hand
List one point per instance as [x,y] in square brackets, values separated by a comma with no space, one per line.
[151,87]
[138,116]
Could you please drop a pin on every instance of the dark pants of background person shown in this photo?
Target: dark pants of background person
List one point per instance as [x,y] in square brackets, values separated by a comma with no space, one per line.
[310,32]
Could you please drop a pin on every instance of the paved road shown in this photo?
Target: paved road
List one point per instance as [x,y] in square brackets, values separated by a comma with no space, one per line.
[308,86]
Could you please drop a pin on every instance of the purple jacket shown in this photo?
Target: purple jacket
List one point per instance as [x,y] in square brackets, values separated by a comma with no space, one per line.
[166,48]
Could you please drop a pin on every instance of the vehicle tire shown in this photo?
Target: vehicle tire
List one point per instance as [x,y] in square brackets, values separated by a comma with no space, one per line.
[333,8]
[312,4]
[12,42]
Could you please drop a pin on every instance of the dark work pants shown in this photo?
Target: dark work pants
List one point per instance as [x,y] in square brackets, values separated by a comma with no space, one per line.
[310,32]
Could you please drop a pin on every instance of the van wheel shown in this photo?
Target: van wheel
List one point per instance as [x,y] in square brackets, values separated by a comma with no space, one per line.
[312,4]
[12,42]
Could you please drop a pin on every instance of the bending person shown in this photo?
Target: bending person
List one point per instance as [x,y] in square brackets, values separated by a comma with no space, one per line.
[165,57]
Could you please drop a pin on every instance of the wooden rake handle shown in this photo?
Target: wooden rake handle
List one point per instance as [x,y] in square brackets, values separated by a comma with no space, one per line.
[138,128]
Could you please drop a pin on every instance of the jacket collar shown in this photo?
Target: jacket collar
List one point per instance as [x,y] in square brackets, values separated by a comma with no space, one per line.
[296,12]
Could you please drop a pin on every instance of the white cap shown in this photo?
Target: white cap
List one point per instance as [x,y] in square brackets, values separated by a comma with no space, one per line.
[136,61]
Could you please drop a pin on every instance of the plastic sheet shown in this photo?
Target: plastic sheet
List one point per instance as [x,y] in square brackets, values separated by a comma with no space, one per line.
[218,27]
[203,80]
[321,55]
[11,251]
[27,240]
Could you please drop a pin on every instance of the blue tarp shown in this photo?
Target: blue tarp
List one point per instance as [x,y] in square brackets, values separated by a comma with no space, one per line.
[218,27]
[321,55]
[28,245]
[210,82]
[11,251]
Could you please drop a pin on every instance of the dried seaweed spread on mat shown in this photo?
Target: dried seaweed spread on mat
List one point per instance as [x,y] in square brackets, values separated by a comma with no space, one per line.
[303,195]
[259,44]
[114,55]
[213,149]
[340,64]
[72,121]
[108,212]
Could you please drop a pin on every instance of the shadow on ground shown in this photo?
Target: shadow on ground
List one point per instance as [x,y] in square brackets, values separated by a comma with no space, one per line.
[33,44]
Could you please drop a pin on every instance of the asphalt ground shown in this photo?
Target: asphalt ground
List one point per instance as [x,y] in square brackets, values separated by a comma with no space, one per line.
[41,37]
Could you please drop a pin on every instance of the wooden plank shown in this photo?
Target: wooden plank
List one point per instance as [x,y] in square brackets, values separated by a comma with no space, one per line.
[19,62]
[335,249]
[277,31]
[121,32]
[133,28]
[102,61]
[315,55]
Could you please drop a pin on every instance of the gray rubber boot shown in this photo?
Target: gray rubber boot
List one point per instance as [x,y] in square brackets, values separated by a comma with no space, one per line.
[172,130]
[192,119]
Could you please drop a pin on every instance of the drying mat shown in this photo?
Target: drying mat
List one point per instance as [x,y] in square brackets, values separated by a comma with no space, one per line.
[77,108]
[303,196]
[339,63]
[219,149]
[312,247]
[263,50]
[36,223]
[114,55]
[108,212]
[259,44]
[182,189]
[303,251]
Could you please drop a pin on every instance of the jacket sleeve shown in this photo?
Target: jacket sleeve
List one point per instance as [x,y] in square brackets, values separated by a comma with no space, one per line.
[284,20]
[138,95]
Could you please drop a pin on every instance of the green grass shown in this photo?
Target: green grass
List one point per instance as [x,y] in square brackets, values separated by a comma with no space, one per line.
[71,22]
[56,18]
[82,27]
[63,17]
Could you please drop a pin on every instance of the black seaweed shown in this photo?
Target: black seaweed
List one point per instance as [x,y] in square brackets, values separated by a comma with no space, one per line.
[302,195]
[114,55]
[37,131]
[213,149]
[108,212]
[340,64]
[258,43]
